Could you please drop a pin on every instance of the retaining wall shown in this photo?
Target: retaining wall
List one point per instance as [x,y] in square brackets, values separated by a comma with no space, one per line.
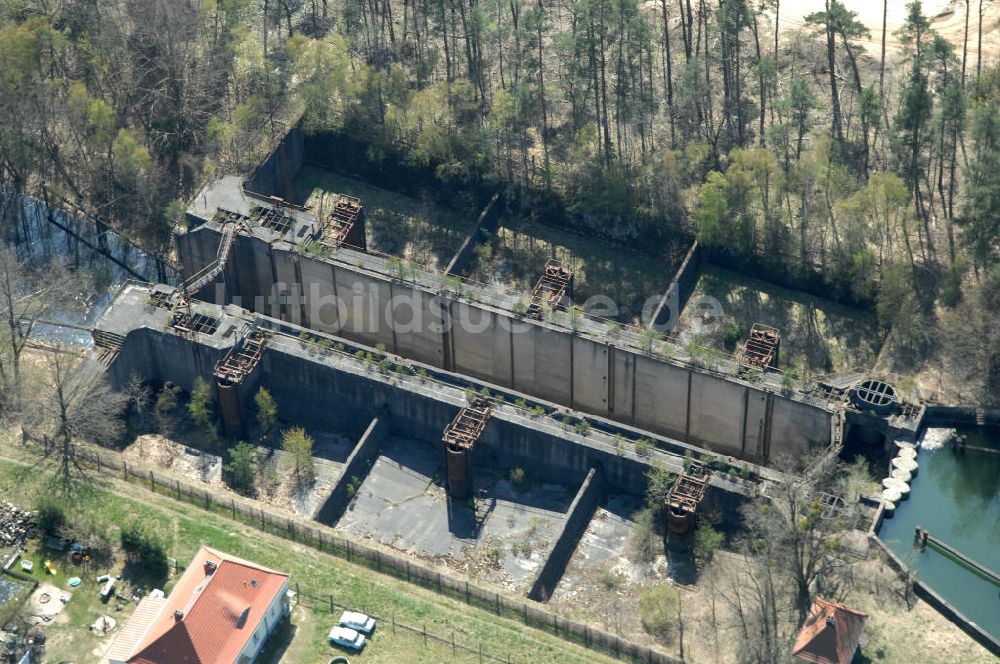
[584,372]
[485,226]
[668,312]
[581,511]
[273,177]
[361,459]
[336,391]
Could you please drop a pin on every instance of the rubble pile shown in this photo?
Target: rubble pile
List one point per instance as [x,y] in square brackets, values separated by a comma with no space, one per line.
[16,524]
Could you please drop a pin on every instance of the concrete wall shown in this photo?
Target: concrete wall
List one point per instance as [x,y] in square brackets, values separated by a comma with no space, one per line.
[532,357]
[358,463]
[274,176]
[668,312]
[308,388]
[581,511]
[485,226]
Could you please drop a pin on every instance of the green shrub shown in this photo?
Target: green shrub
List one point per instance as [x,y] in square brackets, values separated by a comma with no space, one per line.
[644,541]
[661,480]
[267,410]
[201,407]
[732,332]
[241,465]
[644,447]
[517,476]
[658,607]
[707,540]
[610,578]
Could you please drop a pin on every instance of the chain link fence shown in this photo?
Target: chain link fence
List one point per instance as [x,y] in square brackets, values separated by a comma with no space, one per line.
[327,540]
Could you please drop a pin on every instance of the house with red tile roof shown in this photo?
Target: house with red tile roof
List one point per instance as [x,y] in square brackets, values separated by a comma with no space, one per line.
[221,611]
[830,634]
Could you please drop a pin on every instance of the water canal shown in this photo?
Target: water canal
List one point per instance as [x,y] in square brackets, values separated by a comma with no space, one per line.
[956,498]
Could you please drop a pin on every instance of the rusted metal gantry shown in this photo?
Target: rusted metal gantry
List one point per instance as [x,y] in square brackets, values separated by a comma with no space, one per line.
[230,374]
[108,345]
[684,498]
[460,438]
[553,288]
[761,348]
[346,224]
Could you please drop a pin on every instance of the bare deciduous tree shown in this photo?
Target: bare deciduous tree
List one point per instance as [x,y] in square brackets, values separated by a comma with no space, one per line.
[77,403]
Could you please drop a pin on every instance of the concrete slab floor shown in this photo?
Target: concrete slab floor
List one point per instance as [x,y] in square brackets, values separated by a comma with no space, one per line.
[503,535]
[602,561]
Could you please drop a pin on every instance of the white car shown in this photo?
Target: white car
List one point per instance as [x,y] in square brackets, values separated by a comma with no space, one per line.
[357,621]
[346,637]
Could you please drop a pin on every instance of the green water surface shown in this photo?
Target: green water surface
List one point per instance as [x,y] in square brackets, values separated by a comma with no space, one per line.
[956,497]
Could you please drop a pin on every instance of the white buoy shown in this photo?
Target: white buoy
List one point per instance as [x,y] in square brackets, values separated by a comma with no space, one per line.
[899,485]
[907,452]
[906,464]
[889,506]
[901,474]
[891,496]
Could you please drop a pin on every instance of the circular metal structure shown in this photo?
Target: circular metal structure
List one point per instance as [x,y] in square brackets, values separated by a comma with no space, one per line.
[875,395]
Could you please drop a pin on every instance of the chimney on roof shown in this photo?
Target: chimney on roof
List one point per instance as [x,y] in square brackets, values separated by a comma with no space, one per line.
[210,566]
[178,614]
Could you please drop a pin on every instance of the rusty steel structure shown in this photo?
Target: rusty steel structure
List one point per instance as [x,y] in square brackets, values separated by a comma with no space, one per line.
[345,224]
[684,498]
[231,372]
[243,357]
[553,288]
[460,438]
[760,351]
[108,345]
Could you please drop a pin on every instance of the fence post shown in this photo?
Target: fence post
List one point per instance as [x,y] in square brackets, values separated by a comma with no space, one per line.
[232,502]
[439,581]
[497,597]
[331,603]
[125,468]
[98,456]
[453,653]
[291,529]
[425,634]
[152,482]
[262,520]
[393,623]
[466,591]
[178,482]
[480,653]
[348,550]
[298,594]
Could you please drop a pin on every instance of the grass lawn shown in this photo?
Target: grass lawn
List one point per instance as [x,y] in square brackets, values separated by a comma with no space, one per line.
[185,527]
